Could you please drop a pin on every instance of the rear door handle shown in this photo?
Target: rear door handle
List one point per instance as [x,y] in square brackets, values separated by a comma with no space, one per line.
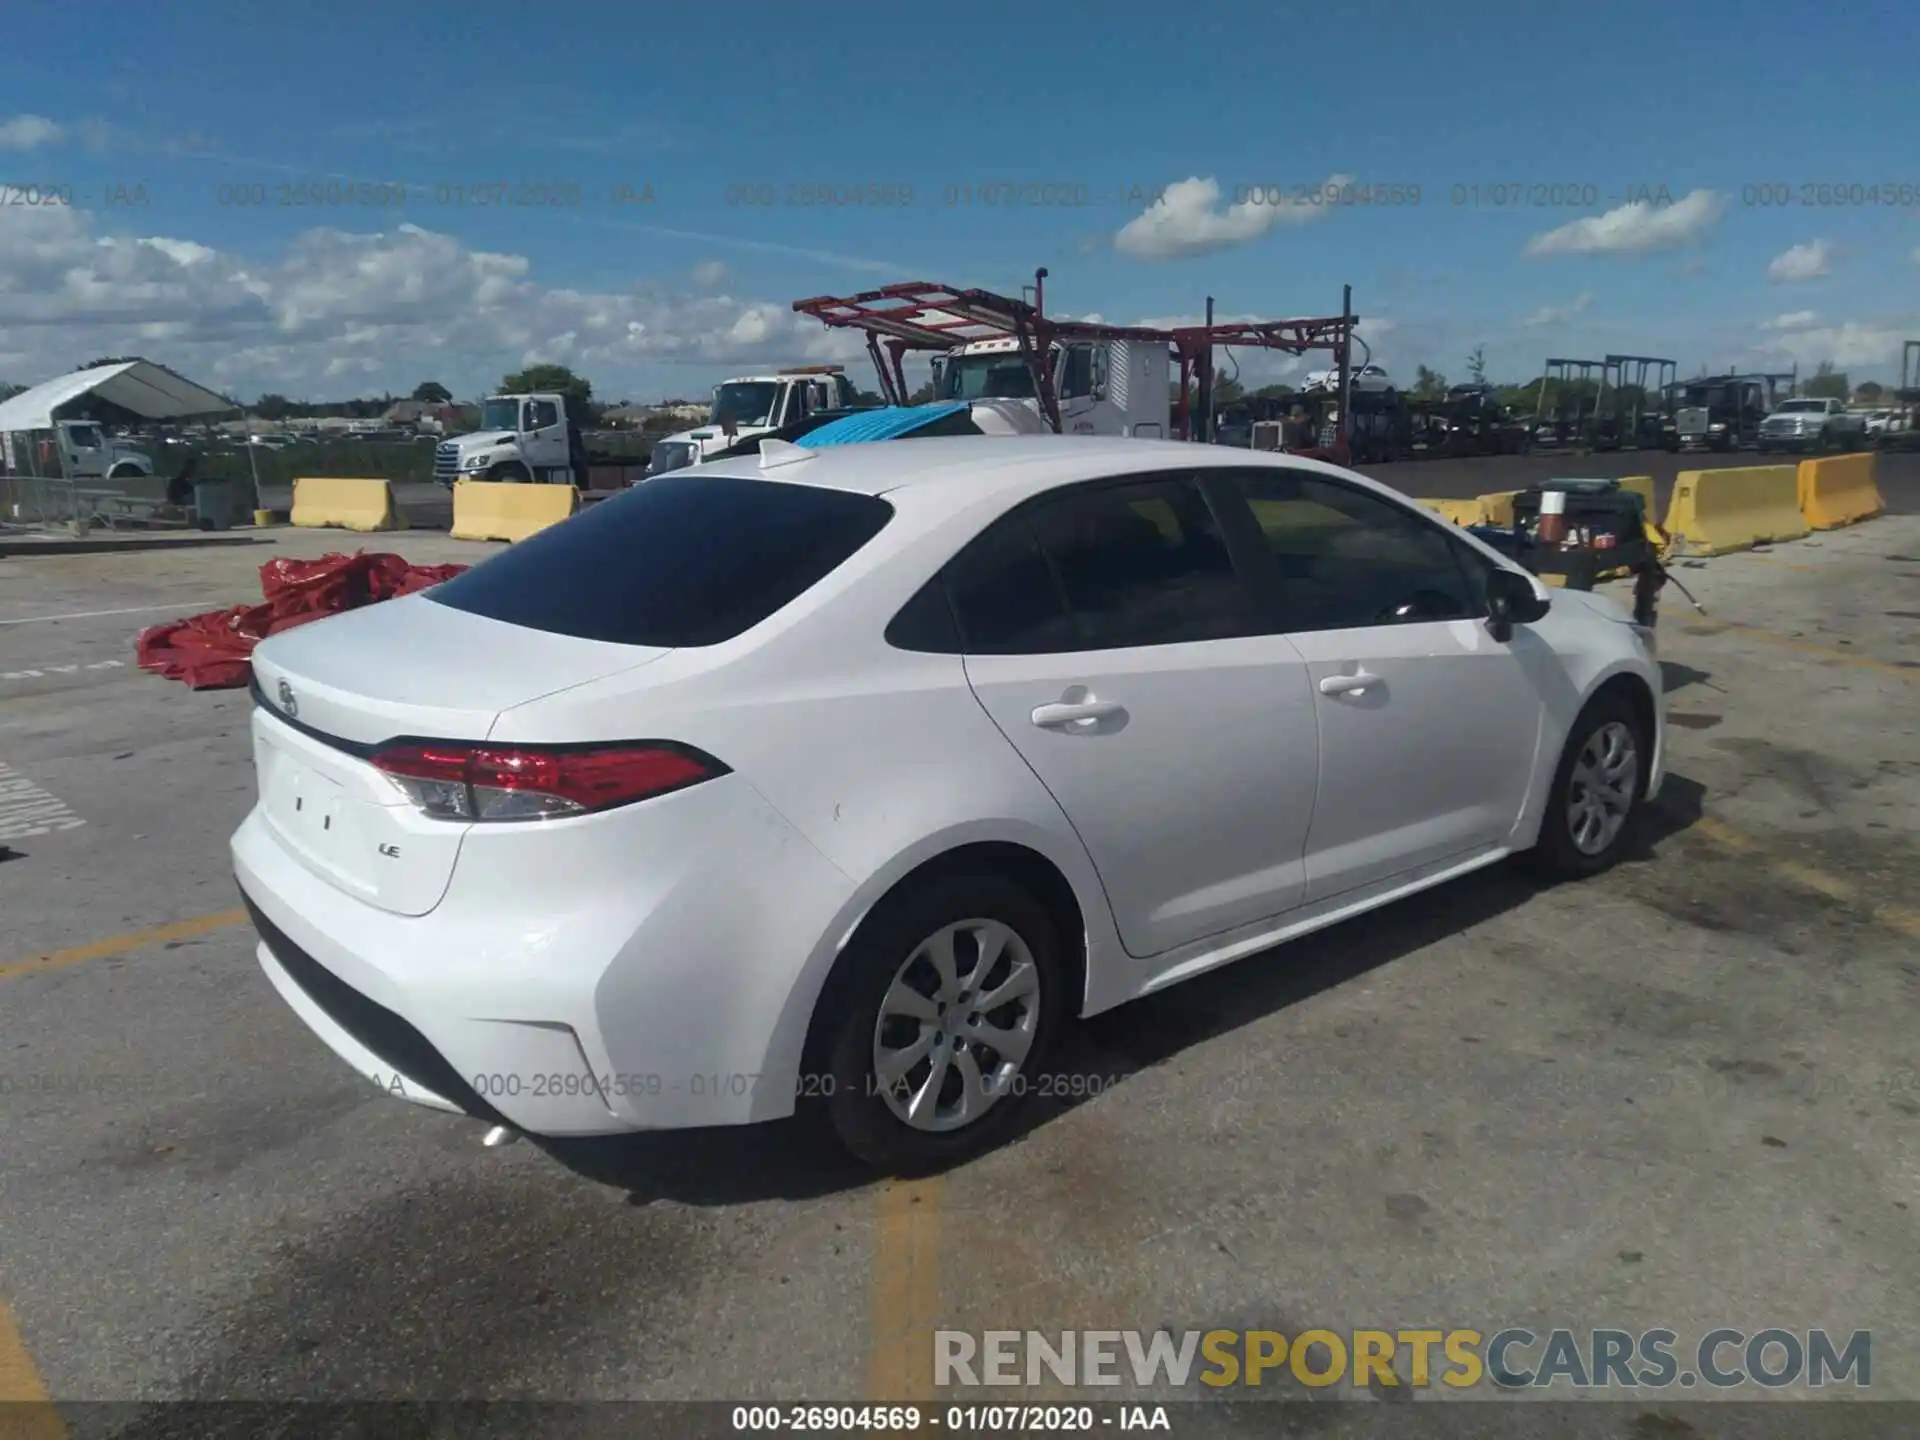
[1052,717]
[1347,684]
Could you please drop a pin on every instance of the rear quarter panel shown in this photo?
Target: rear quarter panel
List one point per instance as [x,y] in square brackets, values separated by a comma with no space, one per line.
[882,759]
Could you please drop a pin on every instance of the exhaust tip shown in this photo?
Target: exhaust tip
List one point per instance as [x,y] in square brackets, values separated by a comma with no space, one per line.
[499,1136]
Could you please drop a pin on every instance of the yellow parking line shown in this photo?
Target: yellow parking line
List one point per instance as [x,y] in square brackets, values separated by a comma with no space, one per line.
[906,1291]
[25,1409]
[1894,917]
[1808,647]
[122,944]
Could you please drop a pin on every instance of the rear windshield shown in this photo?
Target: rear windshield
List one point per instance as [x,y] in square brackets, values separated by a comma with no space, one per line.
[679,560]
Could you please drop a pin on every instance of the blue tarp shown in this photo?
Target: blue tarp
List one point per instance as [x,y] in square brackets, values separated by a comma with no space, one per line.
[888,423]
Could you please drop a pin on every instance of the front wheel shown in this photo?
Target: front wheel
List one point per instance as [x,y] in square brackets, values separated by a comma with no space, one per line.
[945,1009]
[1599,784]
[512,471]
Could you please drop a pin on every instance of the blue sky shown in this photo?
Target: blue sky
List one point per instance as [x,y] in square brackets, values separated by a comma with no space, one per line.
[1513,120]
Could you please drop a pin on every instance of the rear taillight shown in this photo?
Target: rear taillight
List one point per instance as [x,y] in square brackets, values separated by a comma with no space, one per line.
[452,781]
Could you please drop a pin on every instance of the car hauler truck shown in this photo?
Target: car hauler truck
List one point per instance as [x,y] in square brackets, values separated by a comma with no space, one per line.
[1080,377]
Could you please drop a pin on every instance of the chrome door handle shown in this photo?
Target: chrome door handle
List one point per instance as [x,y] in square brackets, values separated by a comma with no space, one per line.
[1347,684]
[1052,717]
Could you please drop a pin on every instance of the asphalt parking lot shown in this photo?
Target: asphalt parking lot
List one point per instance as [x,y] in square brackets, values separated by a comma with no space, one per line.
[1686,1094]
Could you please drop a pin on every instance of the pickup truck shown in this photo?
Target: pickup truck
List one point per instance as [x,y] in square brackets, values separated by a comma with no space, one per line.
[1812,425]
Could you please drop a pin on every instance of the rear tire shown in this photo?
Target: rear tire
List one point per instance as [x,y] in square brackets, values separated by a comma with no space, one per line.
[1598,788]
[1001,940]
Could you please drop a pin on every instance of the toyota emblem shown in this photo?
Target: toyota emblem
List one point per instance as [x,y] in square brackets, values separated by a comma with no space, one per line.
[287,702]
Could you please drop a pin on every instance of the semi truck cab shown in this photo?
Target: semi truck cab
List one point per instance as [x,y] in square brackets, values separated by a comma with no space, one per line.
[1105,387]
[526,438]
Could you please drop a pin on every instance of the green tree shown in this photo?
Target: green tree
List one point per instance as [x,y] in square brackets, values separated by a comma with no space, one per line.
[922,396]
[432,392]
[1869,392]
[1828,383]
[1477,365]
[1271,392]
[555,380]
[270,406]
[7,392]
[1226,390]
[1428,384]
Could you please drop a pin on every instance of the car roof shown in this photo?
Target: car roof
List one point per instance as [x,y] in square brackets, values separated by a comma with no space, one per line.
[1013,466]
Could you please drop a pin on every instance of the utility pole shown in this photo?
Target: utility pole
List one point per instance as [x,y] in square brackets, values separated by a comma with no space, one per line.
[1206,381]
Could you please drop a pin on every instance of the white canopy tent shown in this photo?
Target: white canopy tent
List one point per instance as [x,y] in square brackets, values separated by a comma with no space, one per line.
[148,390]
[138,387]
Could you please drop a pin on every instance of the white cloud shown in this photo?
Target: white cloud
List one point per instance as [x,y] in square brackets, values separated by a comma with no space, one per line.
[1560,314]
[1802,262]
[1187,219]
[1792,320]
[360,309]
[28,132]
[1635,228]
[708,274]
[36,132]
[181,252]
[1851,345]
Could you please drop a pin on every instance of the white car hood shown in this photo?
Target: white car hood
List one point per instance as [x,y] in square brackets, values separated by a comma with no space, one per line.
[485,439]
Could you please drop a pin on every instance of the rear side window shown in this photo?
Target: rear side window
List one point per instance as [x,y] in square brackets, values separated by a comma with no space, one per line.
[680,560]
[1101,568]
[1005,597]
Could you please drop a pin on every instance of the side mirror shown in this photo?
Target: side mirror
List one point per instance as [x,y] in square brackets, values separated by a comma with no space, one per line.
[1511,600]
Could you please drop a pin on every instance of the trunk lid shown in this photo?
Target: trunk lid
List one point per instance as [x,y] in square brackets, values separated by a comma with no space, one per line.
[330,693]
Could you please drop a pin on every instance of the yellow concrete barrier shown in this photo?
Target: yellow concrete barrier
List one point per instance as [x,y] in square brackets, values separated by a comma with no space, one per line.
[346,505]
[1456,512]
[1641,485]
[1497,508]
[1716,511]
[505,510]
[1839,490]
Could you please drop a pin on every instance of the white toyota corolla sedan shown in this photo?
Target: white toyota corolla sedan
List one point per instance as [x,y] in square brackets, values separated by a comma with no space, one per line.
[841,781]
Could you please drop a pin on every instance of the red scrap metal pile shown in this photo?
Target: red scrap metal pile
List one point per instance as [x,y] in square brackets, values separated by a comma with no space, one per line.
[211,651]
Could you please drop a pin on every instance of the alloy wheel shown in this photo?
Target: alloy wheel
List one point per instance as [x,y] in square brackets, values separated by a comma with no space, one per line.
[1601,790]
[956,1024]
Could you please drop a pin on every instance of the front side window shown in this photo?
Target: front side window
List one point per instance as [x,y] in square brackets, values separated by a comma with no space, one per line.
[1346,559]
[1076,372]
[541,414]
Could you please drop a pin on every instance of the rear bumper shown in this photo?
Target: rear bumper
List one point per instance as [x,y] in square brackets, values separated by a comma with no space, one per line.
[622,972]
